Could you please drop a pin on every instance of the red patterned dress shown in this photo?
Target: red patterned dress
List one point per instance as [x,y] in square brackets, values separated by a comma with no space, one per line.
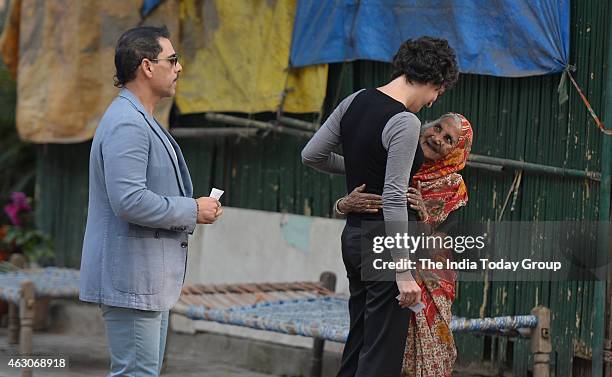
[430,347]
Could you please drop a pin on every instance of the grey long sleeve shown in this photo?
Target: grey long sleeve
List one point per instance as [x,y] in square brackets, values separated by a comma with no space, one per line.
[400,138]
[318,153]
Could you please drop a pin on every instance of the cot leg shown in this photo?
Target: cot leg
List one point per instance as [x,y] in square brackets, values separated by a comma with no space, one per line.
[13,323]
[328,280]
[318,345]
[541,345]
[13,315]
[26,316]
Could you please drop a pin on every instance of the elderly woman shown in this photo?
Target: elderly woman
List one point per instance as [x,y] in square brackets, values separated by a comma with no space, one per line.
[437,191]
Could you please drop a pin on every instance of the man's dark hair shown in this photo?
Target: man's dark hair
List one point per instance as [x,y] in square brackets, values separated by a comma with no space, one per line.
[426,60]
[133,46]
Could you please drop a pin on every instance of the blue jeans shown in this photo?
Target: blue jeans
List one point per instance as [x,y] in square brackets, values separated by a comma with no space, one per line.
[136,340]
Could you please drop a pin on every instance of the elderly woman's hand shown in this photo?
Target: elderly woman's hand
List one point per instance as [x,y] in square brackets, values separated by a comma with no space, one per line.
[416,202]
[358,201]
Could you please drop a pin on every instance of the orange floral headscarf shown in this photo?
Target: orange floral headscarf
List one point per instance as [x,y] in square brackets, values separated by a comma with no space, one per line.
[442,188]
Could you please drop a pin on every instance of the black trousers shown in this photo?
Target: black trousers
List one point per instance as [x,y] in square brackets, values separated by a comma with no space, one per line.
[379,327]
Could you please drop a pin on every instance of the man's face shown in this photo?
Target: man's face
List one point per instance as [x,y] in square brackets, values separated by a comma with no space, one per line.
[440,139]
[165,70]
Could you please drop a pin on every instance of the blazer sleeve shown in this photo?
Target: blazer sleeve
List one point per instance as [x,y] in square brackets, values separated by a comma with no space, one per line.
[125,152]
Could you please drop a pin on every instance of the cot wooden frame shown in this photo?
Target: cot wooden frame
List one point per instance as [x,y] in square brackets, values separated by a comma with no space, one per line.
[540,337]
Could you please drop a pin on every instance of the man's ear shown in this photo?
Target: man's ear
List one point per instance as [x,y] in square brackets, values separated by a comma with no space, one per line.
[146,66]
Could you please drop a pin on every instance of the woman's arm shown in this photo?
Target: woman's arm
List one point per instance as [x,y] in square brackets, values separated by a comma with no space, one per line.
[416,202]
[357,201]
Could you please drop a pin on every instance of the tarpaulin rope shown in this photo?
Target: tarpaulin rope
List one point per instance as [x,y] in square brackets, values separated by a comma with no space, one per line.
[598,122]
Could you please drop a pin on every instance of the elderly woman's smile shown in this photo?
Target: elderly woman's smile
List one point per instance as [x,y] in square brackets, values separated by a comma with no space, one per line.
[440,137]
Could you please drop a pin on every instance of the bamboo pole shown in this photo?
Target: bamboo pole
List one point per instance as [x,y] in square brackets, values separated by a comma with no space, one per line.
[266,126]
[534,168]
[299,124]
[203,132]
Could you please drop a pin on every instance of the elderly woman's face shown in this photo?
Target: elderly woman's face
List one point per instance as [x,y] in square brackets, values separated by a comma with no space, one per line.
[440,139]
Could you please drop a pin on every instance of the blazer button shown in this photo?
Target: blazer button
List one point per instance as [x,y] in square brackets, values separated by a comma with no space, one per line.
[183,244]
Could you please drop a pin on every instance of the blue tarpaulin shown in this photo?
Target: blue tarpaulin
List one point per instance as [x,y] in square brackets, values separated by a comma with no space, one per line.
[148,6]
[510,38]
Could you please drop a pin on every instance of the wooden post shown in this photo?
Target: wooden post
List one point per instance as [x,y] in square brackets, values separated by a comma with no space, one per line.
[26,317]
[13,323]
[541,345]
[328,280]
[17,260]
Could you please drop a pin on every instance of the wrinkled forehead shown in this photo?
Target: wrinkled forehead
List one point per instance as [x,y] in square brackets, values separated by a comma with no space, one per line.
[167,48]
[451,121]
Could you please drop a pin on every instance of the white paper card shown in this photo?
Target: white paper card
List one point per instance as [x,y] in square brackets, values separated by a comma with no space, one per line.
[216,193]
[416,307]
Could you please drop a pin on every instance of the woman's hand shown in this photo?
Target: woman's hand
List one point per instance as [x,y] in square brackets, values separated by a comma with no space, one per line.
[410,292]
[358,201]
[416,202]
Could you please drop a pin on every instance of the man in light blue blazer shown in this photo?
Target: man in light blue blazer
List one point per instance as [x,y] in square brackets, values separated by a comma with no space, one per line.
[141,209]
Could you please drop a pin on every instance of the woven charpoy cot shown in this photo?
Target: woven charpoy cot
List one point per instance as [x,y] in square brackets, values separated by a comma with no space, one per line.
[48,282]
[219,297]
[21,289]
[308,309]
[328,318]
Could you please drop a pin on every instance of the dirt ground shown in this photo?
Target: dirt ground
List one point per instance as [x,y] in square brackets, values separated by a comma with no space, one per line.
[87,356]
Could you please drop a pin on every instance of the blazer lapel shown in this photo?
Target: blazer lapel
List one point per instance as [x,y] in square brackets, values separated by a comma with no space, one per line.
[158,131]
[186,178]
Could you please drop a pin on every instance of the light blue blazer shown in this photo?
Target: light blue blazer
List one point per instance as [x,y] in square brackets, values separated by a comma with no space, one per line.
[140,212]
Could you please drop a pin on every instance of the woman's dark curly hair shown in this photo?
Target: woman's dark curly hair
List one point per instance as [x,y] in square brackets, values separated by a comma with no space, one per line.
[426,60]
[133,46]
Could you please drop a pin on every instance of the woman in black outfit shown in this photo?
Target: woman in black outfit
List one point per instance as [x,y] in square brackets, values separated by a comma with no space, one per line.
[379,135]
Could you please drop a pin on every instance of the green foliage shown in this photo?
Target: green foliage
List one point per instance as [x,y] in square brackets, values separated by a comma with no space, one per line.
[17,159]
[33,243]
[19,234]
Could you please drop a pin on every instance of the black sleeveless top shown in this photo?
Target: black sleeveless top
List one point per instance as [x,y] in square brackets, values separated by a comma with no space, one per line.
[365,158]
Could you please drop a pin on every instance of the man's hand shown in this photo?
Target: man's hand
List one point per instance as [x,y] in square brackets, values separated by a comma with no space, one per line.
[209,210]
[410,292]
[358,201]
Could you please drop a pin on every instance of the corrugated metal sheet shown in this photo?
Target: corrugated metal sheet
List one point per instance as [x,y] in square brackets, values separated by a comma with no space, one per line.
[512,118]
[61,197]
